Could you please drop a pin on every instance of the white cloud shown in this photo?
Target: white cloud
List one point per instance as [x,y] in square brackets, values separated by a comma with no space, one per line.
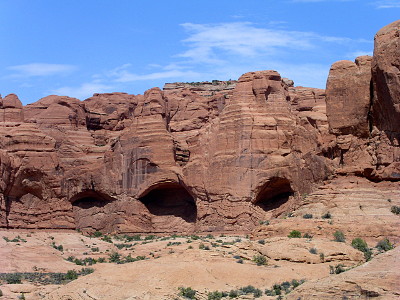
[40,69]
[210,43]
[83,91]
[387,4]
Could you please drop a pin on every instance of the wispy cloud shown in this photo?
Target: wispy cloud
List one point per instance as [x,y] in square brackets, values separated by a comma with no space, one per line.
[207,42]
[387,4]
[40,69]
[83,91]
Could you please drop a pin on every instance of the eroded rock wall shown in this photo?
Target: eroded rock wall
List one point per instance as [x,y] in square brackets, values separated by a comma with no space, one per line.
[196,157]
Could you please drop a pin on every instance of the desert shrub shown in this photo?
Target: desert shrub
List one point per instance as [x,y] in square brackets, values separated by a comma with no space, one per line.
[216,295]
[233,294]
[114,257]
[326,215]
[22,296]
[187,292]
[86,271]
[209,236]
[384,245]
[337,269]
[264,222]
[294,234]
[194,237]
[262,242]
[361,245]
[59,247]
[13,278]
[313,250]
[257,293]
[107,239]
[95,249]
[307,216]
[322,257]
[307,236]
[150,237]
[247,289]
[339,236]
[260,260]
[97,234]
[71,275]
[239,261]
[395,209]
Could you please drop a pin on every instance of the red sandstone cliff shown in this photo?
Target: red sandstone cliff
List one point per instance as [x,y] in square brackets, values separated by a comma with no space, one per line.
[198,158]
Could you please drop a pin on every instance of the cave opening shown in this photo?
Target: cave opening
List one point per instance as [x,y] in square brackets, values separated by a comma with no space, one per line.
[274,193]
[91,210]
[170,199]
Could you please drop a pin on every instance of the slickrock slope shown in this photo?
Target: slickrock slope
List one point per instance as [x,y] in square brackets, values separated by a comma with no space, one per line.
[197,157]
[377,279]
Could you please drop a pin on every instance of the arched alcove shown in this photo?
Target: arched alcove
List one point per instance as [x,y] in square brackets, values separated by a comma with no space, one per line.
[170,199]
[274,193]
[91,210]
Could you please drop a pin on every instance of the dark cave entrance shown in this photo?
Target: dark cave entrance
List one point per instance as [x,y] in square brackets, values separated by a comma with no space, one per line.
[91,210]
[274,193]
[170,199]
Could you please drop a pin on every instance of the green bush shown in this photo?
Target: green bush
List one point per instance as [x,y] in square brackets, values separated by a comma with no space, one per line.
[187,292]
[13,278]
[326,216]
[384,245]
[260,260]
[339,237]
[107,239]
[114,257]
[313,250]
[294,234]
[216,295]
[97,234]
[307,216]
[337,269]
[395,209]
[233,294]
[71,275]
[361,245]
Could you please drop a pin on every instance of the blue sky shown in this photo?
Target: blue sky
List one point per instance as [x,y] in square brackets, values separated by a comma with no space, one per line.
[80,47]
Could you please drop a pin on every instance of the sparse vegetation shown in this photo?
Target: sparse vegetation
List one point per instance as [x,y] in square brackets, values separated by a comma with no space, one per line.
[264,222]
[395,209]
[322,257]
[262,242]
[326,215]
[187,292]
[294,234]
[313,250]
[361,245]
[284,287]
[97,234]
[307,216]
[17,239]
[216,295]
[307,236]
[260,260]
[384,245]
[44,278]
[107,239]
[339,236]
[337,269]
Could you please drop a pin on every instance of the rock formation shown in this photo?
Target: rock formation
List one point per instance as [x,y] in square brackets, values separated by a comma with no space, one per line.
[198,157]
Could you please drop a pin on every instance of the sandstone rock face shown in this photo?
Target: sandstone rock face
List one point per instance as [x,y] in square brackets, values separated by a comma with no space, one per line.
[386,79]
[348,97]
[196,157]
